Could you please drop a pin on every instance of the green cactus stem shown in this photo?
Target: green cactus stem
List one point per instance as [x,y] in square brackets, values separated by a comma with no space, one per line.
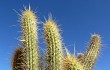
[30,38]
[92,53]
[54,46]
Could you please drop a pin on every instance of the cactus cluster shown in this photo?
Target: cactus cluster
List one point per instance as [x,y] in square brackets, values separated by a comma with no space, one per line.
[26,57]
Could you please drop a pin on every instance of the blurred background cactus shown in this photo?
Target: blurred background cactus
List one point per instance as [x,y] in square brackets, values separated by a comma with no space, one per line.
[27,56]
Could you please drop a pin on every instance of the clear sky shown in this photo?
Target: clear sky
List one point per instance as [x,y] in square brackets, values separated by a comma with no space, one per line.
[77,18]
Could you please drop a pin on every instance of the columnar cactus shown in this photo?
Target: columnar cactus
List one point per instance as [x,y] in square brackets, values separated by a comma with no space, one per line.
[29,35]
[27,56]
[54,46]
[92,53]
[84,61]
[29,40]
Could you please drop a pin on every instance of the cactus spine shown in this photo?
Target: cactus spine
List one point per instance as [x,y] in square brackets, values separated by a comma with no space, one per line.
[54,46]
[71,63]
[29,40]
[92,53]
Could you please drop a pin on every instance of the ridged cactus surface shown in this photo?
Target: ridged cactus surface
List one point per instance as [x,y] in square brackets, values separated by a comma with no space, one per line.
[54,46]
[29,35]
[29,41]
[71,63]
[92,53]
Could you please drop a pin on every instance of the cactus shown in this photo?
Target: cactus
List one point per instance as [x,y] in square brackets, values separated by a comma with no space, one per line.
[84,61]
[71,63]
[29,35]
[27,56]
[54,46]
[80,57]
[92,53]
[19,59]
[29,40]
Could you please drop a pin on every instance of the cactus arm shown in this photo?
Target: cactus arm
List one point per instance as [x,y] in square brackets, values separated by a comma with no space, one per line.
[92,53]
[29,36]
[54,46]
[71,63]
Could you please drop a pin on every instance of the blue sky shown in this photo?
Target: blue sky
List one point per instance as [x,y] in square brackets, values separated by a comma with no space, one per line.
[77,18]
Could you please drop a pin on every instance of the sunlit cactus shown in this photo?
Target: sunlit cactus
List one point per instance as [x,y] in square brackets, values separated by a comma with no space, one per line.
[92,53]
[71,63]
[85,61]
[54,45]
[27,57]
[29,35]
[29,40]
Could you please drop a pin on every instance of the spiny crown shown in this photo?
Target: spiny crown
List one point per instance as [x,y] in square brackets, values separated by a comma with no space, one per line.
[69,59]
[51,24]
[96,38]
[28,14]
[80,55]
[51,27]
[71,63]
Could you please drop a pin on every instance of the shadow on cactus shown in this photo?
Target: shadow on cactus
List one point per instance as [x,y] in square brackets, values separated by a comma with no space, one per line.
[27,56]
